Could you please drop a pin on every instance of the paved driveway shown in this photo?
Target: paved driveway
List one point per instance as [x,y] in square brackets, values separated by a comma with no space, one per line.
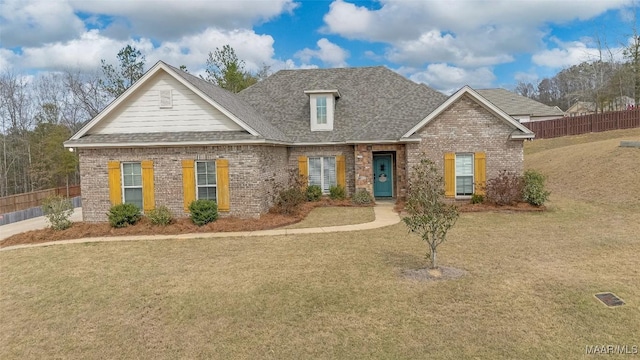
[32,224]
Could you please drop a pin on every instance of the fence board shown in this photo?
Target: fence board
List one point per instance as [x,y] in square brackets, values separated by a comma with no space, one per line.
[34,199]
[584,124]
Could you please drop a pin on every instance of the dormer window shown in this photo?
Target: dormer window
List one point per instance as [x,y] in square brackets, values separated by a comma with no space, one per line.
[322,105]
[321,110]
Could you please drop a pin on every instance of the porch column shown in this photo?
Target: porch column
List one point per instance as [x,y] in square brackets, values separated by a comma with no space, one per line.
[363,167]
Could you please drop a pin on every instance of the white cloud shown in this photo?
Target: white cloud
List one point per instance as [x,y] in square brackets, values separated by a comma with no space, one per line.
[36,22]
[449,79]
[170,19]
[465,33]
[570,53]
[192,51]
[328,52]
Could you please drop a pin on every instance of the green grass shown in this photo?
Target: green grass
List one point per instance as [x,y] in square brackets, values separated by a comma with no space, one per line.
[528,293]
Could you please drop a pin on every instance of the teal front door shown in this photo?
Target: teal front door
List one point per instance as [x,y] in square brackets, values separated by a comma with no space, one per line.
[383,176]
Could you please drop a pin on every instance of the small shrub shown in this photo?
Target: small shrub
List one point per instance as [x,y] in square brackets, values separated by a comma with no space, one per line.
[337,193]
[58,210]
[505,189]
[160,216]
[362,197]
[314,193]
[123,215]
[203,211]
[477,199]
[288,196]
[534,192]
[289,199]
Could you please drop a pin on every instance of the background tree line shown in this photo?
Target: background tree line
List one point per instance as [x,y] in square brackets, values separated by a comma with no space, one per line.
[38,113]
[602,81]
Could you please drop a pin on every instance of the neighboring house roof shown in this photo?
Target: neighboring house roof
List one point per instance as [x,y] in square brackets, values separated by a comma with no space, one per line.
[520,131]
[514,104]
[375,104]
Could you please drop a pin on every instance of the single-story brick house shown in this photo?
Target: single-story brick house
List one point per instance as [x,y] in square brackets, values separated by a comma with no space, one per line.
[173,137]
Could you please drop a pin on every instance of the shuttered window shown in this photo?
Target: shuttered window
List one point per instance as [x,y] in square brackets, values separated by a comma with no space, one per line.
[464,174]
[322,172]
[132,184]
[206,180]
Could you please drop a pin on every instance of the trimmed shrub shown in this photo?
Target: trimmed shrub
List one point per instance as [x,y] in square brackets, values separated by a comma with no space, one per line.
[362,197]
[314,193]
[58,210]
[505,189]
[123,215]
[337,193]
[477,199]
[203,211]
[160,216]
[534,192]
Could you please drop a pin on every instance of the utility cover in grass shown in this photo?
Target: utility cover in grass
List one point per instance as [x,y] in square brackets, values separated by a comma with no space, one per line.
[609,299]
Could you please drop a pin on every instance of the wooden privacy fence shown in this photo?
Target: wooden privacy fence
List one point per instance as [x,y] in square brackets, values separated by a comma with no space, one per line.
[34,199]
[584,124]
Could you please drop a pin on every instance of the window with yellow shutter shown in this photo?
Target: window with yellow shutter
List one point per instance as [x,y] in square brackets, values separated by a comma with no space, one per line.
[206,186]
[132,183]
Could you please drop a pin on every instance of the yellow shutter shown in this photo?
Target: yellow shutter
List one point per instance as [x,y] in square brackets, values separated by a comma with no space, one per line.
[188,183]
[148,192]
[303,168]
[222,182]
[115,188]
[480,172]
[341,169]
[450,174]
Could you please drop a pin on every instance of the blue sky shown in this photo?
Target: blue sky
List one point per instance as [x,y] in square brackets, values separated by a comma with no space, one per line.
[444,44]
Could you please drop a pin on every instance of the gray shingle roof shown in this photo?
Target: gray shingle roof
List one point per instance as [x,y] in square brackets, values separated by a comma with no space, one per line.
[514,104]
[165,137]
[375,103]
[234,104]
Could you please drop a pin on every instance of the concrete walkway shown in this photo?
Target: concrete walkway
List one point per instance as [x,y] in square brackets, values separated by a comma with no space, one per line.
[384,216]
[35,223]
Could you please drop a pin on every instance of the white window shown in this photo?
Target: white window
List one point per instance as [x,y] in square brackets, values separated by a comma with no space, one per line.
[132,184]
[165,99]
[206,180]
[321,110]
[464,174]
[322,104]
[322,172]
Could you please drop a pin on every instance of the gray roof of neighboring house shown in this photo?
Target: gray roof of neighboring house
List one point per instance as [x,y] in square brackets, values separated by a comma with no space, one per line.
[514,104]
[375,103]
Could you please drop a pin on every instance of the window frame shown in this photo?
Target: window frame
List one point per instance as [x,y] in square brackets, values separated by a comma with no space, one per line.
[215,177]
[472,175]
[124,186]
[322,172]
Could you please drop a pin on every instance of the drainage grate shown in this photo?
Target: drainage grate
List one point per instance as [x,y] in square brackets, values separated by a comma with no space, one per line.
[609,299]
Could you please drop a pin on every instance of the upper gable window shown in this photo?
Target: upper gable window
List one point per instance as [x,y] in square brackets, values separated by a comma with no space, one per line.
[322,105]
[166,102]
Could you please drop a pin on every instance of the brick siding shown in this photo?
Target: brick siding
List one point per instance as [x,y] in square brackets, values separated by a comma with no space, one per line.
[252,172]
[467,127]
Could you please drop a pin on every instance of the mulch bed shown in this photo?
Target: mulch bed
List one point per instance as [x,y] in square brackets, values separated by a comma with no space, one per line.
[79,230]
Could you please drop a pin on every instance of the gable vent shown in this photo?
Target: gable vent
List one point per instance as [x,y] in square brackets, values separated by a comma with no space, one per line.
[165,99]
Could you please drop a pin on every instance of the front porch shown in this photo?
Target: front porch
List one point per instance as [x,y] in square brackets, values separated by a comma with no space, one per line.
[381,170]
